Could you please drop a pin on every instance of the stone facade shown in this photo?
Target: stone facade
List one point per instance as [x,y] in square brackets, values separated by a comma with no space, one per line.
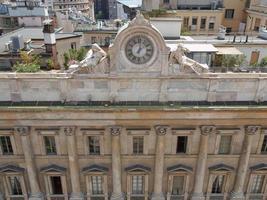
[110,151]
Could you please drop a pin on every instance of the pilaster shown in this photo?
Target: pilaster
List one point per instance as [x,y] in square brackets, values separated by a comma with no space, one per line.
[161,131]
[238,191]
[24,132]
[202,162]
[117,193]
[73,164]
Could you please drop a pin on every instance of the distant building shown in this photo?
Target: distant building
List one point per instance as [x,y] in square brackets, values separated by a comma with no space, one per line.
[22,14]
[101,9]
[256,15]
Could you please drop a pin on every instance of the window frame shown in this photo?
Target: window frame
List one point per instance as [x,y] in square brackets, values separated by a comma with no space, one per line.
[226,132]
[48,185]
[187,176]
[55,143]
[189,132]
[138,152]
[7,186]
[88,183]
[185,150]
[250,183]
[94,145]
[130,174]
[11,134]
[261,140]
[137,132]
[226,15]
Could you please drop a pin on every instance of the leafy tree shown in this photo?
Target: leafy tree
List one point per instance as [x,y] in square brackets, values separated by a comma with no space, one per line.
[233,61]
[28,64]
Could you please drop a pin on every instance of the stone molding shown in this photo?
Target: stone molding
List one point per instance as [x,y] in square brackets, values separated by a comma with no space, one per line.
[115,130]
[22,130]
[252,130]
[207,130]
[69,131]
[161,130]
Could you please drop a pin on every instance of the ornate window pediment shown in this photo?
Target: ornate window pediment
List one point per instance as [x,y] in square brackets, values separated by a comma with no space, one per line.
[94,168]
[138,168]
[11,168]
[221,167]
[179,168]
[53,168]
[259,167]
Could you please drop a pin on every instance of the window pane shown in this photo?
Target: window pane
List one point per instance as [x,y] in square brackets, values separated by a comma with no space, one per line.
[217,186]
[94,145]
[264,145]
[97,184]
[137,184]
[181,144]
[257,184]
[14,182]
[178,185]
[138,145]
[6,145]
[50,145]
[56,185]
[225,144]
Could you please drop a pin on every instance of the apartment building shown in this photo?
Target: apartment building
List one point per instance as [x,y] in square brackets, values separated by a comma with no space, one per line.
[256,15]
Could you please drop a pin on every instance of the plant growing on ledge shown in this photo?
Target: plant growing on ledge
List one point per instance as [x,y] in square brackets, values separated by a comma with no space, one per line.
[28,63]
[73,55]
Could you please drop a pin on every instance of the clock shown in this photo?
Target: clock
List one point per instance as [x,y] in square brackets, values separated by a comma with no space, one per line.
[139,49]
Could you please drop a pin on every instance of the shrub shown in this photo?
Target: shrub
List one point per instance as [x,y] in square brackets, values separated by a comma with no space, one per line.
[28,63]
[263,62]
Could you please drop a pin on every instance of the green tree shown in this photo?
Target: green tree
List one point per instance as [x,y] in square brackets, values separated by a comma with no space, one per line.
[233,61]
[75,55]
[263,62]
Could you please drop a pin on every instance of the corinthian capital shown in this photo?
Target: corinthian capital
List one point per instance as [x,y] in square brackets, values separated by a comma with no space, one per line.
[252,130]
[207,130]
[22,130]
[115,130]
[69,131]
[161,130]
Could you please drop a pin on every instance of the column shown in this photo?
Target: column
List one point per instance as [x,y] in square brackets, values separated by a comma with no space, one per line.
[73,164]
[116,164]
[201,162]
[159,163]
[24,132]
[238,191]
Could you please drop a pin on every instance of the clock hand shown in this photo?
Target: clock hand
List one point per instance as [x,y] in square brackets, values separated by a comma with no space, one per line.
[140,48]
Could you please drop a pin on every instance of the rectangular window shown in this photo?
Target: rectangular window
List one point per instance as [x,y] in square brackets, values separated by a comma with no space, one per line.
[264,145]
[217,186]
[93,40]
[229,13]
[211,26]
[6,146]
[56,186]
[257,184]
[15,185]
[94,145]
[97,184]
[138,145]
[194,21]
[203,23]
[138,184]
[225,144]
[181,144]
[50,145]
[178,185]
[73,45]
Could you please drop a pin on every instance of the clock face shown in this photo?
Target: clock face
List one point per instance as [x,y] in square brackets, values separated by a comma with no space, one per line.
[139,49]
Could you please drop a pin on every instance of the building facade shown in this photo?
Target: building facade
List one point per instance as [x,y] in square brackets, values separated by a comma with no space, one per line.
[135,126]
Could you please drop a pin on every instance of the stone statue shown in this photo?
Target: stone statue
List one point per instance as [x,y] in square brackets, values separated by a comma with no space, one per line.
[95,61]
[180,63]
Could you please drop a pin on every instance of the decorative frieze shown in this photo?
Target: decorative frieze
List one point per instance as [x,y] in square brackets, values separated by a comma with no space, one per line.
[22,130]
[161,130]
[252,130]
[69,131]
[115,130]
[207,130]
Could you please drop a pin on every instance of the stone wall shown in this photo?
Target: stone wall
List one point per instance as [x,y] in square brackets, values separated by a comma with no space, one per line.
[69,87]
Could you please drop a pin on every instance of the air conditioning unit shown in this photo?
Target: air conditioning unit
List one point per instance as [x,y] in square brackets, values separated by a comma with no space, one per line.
[8,46]
[17,43]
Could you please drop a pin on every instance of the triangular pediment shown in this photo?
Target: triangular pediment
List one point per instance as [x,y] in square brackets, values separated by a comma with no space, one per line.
[95,168]
[179,167]
[221,167]
[53,168]
[138,168]
[11,168]
[259,167]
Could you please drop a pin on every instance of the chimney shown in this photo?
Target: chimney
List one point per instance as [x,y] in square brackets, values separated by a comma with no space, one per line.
[50,41]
